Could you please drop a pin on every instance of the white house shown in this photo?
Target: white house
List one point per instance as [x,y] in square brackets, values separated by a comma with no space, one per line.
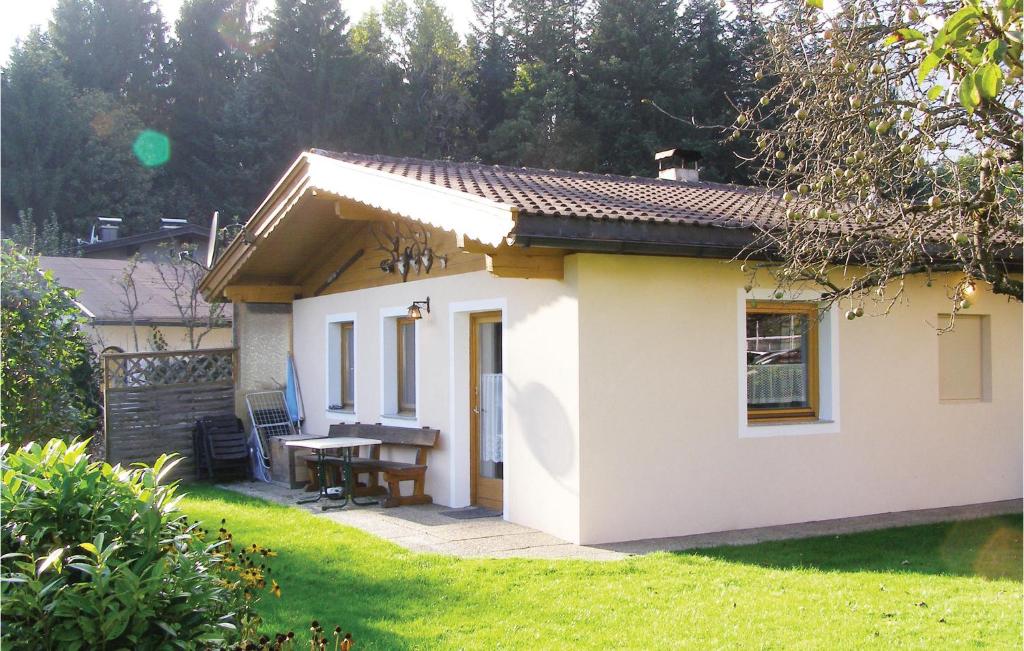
[593,361]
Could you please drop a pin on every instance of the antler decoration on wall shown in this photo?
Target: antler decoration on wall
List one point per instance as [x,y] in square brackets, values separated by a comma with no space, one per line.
[407,247]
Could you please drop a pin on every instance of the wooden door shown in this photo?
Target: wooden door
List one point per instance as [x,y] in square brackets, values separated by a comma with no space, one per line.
[487,463]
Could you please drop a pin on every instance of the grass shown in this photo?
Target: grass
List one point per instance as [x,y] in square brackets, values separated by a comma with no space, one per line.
[952,585]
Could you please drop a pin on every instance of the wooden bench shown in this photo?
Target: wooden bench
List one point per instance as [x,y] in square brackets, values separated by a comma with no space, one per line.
[421,440]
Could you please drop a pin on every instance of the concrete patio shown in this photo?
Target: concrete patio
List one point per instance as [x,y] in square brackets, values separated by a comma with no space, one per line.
[424,528]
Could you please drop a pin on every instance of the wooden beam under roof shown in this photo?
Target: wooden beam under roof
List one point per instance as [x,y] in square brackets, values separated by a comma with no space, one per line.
[517,263]
[262,293]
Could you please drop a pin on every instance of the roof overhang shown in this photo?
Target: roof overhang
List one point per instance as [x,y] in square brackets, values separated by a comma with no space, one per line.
[313,174]
[636,237]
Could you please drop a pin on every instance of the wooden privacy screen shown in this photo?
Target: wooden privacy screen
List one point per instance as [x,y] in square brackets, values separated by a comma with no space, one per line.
[152,401]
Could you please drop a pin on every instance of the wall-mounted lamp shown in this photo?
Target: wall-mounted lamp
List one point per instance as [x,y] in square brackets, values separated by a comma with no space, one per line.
[414,310]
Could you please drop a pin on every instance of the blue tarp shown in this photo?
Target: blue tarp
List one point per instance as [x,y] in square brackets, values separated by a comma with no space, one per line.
[291,399]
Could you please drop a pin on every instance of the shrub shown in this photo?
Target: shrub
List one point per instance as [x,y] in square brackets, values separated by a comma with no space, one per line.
[97,556]
[47,382]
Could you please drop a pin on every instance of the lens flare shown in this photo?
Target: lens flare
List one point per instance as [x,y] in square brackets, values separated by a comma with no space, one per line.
[152,148]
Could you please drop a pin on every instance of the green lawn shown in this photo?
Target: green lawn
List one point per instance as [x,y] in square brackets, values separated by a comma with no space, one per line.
[941,586]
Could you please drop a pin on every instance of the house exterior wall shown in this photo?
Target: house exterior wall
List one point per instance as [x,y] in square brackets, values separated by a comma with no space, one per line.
[665,450]
[176,337]
[541,382]
[263,333]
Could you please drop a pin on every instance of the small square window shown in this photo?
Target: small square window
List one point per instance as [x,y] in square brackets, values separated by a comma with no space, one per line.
[782,360]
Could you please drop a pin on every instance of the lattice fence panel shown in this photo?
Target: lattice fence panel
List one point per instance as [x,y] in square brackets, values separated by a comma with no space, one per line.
[152,401]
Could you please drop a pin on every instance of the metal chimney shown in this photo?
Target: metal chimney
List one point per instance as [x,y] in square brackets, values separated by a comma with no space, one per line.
[167,223]
[108,228]
[679,165]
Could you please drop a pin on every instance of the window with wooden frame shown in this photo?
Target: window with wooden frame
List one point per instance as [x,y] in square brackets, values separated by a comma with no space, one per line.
[348,367]
[406,354]
[342,371]
[782,361]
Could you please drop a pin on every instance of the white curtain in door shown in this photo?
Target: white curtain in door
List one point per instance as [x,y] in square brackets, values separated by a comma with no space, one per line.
[490,417]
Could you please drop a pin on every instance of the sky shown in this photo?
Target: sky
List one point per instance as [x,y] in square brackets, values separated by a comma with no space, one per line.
[17,17]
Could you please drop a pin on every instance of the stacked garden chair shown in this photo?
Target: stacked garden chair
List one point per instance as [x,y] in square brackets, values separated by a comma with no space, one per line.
[221,448]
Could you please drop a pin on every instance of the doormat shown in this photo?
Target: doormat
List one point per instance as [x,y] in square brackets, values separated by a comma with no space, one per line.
[470,513]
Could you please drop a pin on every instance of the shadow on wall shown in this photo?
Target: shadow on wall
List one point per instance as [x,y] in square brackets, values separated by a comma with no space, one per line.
[547,430]
[990,548]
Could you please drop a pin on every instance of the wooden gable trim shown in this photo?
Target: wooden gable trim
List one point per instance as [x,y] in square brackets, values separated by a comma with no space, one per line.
[363,193]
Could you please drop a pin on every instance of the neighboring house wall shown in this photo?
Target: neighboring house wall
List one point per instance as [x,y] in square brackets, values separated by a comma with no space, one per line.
[176,337]
[661,417]
[263,332]
[541,382]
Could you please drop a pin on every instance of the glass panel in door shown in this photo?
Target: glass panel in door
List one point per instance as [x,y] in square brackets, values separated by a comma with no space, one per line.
[488,443]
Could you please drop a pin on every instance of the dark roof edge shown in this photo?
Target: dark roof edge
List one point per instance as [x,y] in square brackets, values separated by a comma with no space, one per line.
[637,237]
[152,236]
[662,238]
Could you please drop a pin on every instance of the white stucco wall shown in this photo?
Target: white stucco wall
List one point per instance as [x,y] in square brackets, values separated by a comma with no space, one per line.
[541,376]
[661,446]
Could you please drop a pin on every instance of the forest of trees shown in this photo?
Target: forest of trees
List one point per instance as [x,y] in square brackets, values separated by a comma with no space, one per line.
[545,83]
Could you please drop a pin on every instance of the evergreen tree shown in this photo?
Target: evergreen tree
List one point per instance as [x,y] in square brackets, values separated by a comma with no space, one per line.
[40,130]
[635,54]
[116,46]
[546,126]
[437,114]
[210,58]
[51,239]
[106,178]
[491,53]
[249,163]
[714,70]
[377,89]
[302,75]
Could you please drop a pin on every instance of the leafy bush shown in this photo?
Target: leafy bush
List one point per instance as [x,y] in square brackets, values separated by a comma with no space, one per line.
[97,556]
[46,363]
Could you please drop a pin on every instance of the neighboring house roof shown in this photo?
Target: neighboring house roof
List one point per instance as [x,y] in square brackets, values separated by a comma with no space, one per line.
[184,232]
[100,294]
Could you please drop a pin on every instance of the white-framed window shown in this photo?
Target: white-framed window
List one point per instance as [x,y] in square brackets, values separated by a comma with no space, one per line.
[341,363]
[399,358]
[788,376]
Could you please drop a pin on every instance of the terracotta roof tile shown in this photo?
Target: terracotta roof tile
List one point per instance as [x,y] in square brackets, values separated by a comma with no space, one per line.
[586,195]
